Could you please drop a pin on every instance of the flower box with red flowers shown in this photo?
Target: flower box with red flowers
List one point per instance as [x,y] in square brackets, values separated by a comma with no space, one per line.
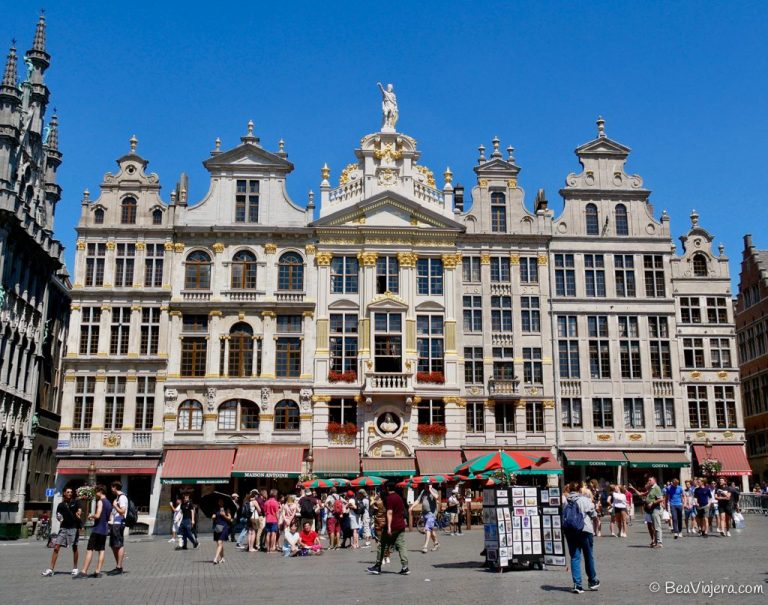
[433,430]
[336,428]
[348,376]
[433,377]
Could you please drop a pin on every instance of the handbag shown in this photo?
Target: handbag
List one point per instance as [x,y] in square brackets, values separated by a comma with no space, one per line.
[738,520]
[665,516]
[218,528]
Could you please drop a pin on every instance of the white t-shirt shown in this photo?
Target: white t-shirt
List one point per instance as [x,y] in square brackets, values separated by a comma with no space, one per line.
[114,516]
[619,500]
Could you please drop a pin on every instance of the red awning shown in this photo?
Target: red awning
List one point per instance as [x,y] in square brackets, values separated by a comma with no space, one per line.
[732,458]
[549,466]
[336,461]
[106,466]
[198,466]
[389,467]
[272,461]
[438,461]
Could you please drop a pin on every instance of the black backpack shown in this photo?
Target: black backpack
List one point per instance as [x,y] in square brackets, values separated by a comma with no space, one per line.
[131,514]
[306,508]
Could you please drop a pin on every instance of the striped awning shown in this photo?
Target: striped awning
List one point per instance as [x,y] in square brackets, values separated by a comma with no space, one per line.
[198,466]
[732,458]
[107,466]
[336,462]
[437,461]
[657,459]
[595,457]
[271,461]
[389,467]
[549,466]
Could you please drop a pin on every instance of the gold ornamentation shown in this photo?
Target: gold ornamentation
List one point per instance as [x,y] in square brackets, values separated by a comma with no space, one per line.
[603,437]
[321,398]
[81,244]
[140,245]
[268,314]
[519,403]
[323,259]
[387,176]
[135,307]
[387,151]
[512,183]
[325,172]
[543,259]
[635,437]
[112,440]
[270,248]
[448,175]
[309,314]
[485,259]
[483,183]
[695,374]
[131,378]
[163,307]
[178,247]
[451,260]
[728,435]
[722,375]
[514,259]
[175,313]
[218,248]
[310,249]
[168,246]
[427,174]
[106,308]
[111,245]
[548,403]
[69,378]
[76,286]
[407,259]
[344,178]
[358,399]
[160,378]
[215,313]
[368,259]
[490,404]
[701,434]
[74,307]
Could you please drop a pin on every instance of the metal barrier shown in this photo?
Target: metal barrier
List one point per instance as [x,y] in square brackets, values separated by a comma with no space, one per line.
[753,503]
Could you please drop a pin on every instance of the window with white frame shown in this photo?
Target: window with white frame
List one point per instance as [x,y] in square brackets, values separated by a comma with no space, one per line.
[634,414]
[659,347]
[470,269]
[475,417]
[153,265]
[505,417]
[429,276]
[473,313]
[90,320]
[717,310]
[114,403]
[498,212]
[124,262]
[342,410]
[150,330]
[503,363]
[534,417]
[720,352]
[247,201]
[664,412]
[388,342]
[568,346]
[602,413]
[430,343]
[693,352]
[698,407]
[529,270]
[500,269]
[690,310]
[594,275]
[653,265]
[501,313]
[725,407]
[565,275]
[84,393]
[121,330]
[532,366]
[571,412]
[343,342]
[387,275]
[145,403]
[473,365]
[599,346]
[344,274]
[431,411]
[95,256]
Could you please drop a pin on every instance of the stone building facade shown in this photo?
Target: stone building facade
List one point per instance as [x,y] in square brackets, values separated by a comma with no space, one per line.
[34,298]
[404,329]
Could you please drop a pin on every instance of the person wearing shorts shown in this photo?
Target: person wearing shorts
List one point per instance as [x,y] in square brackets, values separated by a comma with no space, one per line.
[271,508]
[333,521]
[725,507]
[702,496]
[429,499]
[98,539]
[117,527]
[68,513]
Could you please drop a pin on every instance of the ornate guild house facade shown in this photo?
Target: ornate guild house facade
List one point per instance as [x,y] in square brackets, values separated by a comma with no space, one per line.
[399,328]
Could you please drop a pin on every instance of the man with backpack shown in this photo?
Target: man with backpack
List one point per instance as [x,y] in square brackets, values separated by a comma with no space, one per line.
[117,527]
[308,508]
[430,502]
[335,506]
[578,527]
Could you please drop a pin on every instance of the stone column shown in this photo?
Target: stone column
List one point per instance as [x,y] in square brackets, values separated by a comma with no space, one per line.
[129,410]
[99,405]
[134,339]
[407,262]
[174,355]
[485,277]
[308,346]
[139,268]
[163,339]
[520,421]
[109,265]
[256,346]
[213,361]
[271,274]
[450,261]
[224,339]
[269,352]
[322,351]
[105,330]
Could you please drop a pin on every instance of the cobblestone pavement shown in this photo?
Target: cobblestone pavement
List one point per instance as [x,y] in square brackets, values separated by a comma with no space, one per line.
[157,574]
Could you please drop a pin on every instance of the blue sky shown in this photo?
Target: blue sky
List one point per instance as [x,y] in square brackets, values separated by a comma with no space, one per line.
[683,84]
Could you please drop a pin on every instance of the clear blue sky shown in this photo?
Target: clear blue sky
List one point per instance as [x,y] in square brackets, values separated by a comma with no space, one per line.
[683,84]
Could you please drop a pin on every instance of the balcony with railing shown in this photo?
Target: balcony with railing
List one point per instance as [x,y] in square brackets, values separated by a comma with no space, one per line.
[243,295]
[289,297]
[427,194]
[663,388]
[501,289]
[80,440]
[389,382]
[570,388]
[196,295]
[502,339]
[501,387]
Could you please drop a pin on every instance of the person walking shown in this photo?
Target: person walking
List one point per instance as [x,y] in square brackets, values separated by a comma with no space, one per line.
[221,521]
[393,533]
[176,523]
[98,538]
[618,503]
[68,514]
[365,517]
[429,500]
[578,522]
[452,510]
[243,521]
[271,512]
[673,497]
[237,525]
[380,522]
[187,521]
[689,507]
[702,496]
[354,516]
[117,527]
[724,507]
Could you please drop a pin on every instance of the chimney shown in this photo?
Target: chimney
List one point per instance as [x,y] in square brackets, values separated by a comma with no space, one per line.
[748,241]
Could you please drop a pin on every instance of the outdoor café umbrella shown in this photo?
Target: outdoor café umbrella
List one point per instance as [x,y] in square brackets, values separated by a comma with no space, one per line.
[367,481]
[425,479]
[209,503]
[507,461]
[406,483]
[338,482]
[319,484]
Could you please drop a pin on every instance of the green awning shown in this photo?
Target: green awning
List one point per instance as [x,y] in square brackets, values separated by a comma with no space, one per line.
[595,458]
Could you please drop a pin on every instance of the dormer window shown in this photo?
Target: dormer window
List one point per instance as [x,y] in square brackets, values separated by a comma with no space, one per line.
[498,212]
[247,201]
[157,217]
[98,216]
[593,225]
[700,265]
[128,211]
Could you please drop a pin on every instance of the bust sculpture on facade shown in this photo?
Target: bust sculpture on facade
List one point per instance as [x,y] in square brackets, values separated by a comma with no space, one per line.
[388,108]
[388,425]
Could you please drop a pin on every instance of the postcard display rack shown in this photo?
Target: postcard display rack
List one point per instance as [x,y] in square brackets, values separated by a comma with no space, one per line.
[522,527]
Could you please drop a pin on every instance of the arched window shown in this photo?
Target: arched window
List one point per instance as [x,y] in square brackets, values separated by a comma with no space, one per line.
[290,272]
[622,224]
[128,211]
[498,212]
[98,216]
[228,415]
[244,270]
[157,217]
[287,416]
[238,414]
[593,227]
[197,271]
[700,265]
[240,350]
[190,416]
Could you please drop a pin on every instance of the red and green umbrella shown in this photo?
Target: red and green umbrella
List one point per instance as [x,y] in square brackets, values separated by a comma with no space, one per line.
[367,481]
[338,482]
[319,484]
[424,479]
[405,483]
[507,461]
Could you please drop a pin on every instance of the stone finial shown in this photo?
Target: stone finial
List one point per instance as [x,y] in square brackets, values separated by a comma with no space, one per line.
[481,149]
[281,146]
[448,175]
[311,199]
[721,249]
[133,142]
[52,142]
[510,157]
[694,218]
[496,143]
[325,172]
[10,76]
[217,144]
[664,215]
[250,128]
[600,127]
[86,196]
[39,42]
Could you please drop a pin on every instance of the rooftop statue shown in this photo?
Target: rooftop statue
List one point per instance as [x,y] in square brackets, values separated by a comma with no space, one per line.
[388,108]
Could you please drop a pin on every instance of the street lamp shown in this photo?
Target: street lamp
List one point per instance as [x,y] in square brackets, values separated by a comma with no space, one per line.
[92,473]
[708,448]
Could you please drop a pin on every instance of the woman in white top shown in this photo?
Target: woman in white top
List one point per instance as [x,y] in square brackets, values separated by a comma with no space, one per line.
[176,508]
[618,500]
[291,540]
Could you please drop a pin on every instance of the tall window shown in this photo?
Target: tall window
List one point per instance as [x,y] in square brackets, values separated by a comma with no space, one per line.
[193,352]
[531,316]
[430,343]
[241,350]
[153,265]
[571,408]
[505,417]
[429,276]
[499,268]
[84,389]
[594,274]
[725,407]
[431,411]
[700,265]
[94,264]
[698,407]
[534,417]
[89,330]
[121,330]
[501,313]
[532,367]
[190,416]
[475,417]
[343,342]
[599,349]
[629,347]
[473,365]
[470,269]
[114,403]
[227,420]
[124,261]
[592,221]
[344,272]
[529,270]
[290,272]
[288,357]
[664,412]
[503,363]
[634,415]
[565,275]
[128,211]
[342,411]
[387,275]
[717,310]
[720,352]
[622,224]
[197,271]
[653,265]
[247,201]
[568,346]
[661,357]
[602,413]
[244,270]
[150,330]
[145,403]
[498,212]
[157,217]
[287,416]
[98,216]
[473,313]
[693,352]
[690,310]
[238,414]
[625,275]
[387,341]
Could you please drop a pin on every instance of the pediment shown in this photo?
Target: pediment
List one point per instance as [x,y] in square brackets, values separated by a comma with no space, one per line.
[430,306]
[248,155]
[388,301]
[343,305]
[603,146]
[497,167]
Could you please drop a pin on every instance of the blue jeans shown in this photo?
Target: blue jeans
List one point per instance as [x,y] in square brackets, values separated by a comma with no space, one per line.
[676,510]
[581,542]
[186,532]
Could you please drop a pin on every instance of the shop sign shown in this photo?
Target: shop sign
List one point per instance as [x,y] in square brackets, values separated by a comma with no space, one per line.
[192,481]
[265,475]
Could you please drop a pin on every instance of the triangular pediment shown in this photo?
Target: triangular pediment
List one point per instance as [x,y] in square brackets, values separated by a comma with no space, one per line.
[603,146]
[497,167]
[388,300]
[248,155]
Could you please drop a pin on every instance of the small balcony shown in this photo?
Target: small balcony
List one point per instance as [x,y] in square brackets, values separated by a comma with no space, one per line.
[504,387]
[570,388]
[389,382]
[243,295]
[142,440]
[79,441]
[502,339]
[196,295]
[289,297]
[501,289]
[663,388]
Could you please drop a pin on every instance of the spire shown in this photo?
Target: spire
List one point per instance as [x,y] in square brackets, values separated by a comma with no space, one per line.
[39,43]
[250,137]
[496,143]
[52,142]
[10,76]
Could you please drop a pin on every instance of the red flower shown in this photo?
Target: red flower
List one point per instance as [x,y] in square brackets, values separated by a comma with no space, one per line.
[348,376]
[336,428]
[433,377]
[435,430]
